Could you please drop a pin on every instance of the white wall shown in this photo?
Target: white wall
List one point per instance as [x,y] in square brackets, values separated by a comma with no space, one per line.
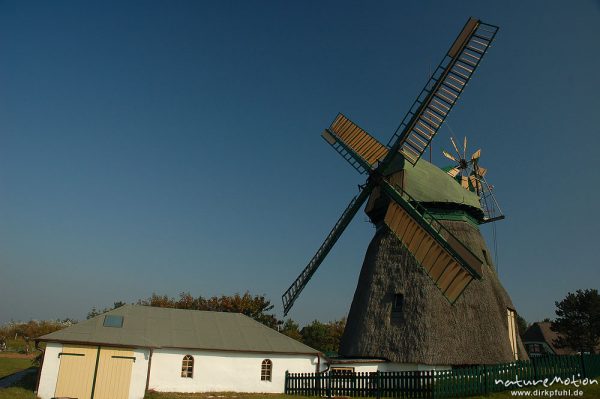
[49,374]
[213,371]
[360,367]
[139,371]
[369,367]
[224,371]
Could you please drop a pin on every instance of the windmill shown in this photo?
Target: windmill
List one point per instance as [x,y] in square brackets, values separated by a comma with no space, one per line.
[441,254]
[423,256]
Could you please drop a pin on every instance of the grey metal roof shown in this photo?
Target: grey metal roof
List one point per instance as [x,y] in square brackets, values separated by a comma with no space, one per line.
[146,326]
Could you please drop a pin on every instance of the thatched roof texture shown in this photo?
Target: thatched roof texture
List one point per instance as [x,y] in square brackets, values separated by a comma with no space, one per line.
[428,329]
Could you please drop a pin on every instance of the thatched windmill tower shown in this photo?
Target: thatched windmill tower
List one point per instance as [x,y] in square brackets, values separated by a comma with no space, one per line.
[398,314]
[427,292]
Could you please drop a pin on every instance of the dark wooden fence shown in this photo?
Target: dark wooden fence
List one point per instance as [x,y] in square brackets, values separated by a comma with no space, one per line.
[460,382]
[395,384]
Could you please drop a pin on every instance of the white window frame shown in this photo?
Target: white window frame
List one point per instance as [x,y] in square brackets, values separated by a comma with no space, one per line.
[512,331]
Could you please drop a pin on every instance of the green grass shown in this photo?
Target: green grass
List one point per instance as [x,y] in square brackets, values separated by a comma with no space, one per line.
[22,390]
[218,395]
[27,393]
[590,391]
[9,366]
[17,393]
[18,345]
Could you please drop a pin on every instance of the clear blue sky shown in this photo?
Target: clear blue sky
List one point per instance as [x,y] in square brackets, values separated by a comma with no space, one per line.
[174,146]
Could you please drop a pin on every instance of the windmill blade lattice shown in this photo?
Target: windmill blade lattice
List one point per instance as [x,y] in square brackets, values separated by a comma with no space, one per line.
[292,293]
[443,89]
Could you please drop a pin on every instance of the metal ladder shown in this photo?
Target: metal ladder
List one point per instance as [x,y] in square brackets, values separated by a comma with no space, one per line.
[290,295]
[441,92]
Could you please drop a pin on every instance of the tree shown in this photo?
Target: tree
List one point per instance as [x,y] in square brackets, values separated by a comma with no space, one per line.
[95,312]
[336,330]
[257,307]
[291,329]
[324,337]
[29,331]
[578,321]
[317,335]
[160,301]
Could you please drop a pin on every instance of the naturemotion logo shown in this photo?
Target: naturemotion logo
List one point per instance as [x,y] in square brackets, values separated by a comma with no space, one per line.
[547,382]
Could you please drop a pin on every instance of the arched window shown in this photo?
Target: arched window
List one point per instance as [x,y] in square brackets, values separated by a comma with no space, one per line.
[266,370]
[187,366]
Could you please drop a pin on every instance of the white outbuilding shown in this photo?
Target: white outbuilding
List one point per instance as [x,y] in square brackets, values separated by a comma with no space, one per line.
[127,351]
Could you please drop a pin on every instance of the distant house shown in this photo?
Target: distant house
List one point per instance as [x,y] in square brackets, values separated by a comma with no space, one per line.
[127,351]
[539,340]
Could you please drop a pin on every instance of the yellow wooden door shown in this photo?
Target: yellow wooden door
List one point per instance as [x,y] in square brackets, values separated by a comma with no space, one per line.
[113,377]
[76,372]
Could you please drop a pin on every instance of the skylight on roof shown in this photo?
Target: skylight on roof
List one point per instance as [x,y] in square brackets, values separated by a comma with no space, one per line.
[113,321]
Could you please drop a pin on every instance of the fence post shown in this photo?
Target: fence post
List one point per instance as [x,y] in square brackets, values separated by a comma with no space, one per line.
[583,372]
[287,374]
[432,383]
[377,385]
[485,380]
[329,384]
[318,384]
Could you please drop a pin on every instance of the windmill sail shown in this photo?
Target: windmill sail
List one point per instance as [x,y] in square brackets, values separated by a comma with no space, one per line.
[447,261]
[441,92]
[358,147]
[291,294]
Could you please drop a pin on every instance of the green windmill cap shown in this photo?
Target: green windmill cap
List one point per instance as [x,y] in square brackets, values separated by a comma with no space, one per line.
[427,183]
